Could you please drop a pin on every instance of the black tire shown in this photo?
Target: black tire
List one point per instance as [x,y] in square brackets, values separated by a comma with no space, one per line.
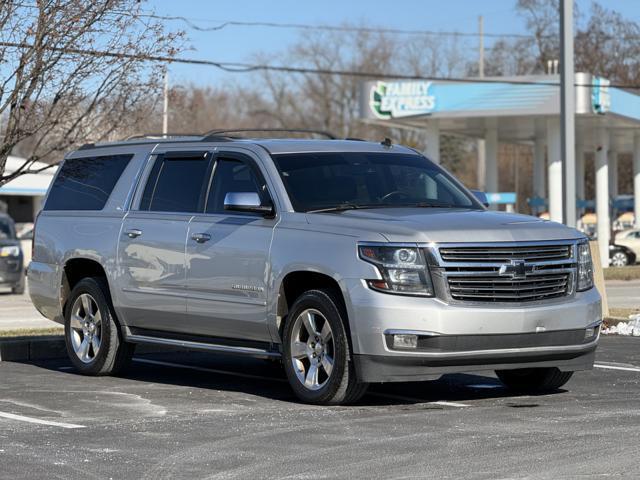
[534,380]
[19,288]
[342,385]
[113,353]
[620,259]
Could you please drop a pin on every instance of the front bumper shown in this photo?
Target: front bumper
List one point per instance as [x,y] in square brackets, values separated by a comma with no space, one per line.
[457,338]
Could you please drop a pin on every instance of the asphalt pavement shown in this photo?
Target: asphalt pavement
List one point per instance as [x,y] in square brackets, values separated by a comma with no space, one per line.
[179,415]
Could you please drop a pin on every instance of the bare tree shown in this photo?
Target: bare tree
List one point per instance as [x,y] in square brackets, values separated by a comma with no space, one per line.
[74,71]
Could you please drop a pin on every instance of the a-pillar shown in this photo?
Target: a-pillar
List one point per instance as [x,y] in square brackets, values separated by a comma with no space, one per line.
[491,157]
[539,162]
[602,195]
[555,169]
[636,177]
[433,141]
[580,172]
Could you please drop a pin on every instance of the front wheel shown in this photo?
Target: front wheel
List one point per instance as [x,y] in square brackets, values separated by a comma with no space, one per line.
[535,380]
[94,342]
[316,351]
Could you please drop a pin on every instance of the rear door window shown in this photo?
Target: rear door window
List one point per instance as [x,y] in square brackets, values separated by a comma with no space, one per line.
[177,183]
[86,183]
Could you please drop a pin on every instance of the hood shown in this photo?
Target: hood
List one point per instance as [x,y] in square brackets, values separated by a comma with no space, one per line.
[444,225]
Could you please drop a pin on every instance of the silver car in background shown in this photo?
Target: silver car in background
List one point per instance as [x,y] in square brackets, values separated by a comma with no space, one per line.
[353,262]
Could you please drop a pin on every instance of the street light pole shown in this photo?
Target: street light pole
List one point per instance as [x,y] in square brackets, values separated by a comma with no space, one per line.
[480,145]
[567,112]
[165,107]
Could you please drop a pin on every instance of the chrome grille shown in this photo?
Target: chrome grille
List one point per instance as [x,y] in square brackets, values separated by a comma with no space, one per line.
[530,253]
[488,274]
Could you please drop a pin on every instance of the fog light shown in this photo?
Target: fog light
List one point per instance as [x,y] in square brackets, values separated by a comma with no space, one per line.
[405,341]
[589,332]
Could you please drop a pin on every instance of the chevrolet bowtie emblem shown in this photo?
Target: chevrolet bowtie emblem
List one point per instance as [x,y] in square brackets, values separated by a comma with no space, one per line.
[516,269]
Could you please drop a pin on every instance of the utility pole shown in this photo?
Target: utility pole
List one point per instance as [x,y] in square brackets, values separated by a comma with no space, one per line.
[482,163]
[165,108]
[567,112]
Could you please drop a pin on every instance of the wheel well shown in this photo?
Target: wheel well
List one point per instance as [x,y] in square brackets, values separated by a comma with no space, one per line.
[295,284]
[75,270]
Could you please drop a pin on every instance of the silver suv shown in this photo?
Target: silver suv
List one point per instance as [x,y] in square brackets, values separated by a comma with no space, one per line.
[353,262]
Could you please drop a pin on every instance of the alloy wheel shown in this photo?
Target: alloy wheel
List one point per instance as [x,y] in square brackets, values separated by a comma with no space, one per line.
[312,349]
[86,328]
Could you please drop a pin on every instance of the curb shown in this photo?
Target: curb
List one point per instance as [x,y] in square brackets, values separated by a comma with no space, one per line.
[44,347]
[51,347]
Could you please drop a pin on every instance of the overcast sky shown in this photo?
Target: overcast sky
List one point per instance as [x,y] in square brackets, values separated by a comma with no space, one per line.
[239,44]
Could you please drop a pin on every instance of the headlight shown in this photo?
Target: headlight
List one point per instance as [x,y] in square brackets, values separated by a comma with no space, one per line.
[11,251]
[585,267]
[403,269]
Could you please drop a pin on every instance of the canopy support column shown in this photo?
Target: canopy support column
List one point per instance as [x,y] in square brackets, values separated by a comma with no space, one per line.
[433,141]
[636,177]
[491,158]
[602,196]
[554,153]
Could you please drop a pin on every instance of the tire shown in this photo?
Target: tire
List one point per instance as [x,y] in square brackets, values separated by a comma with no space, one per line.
[534,380]
[619,259]
[94,341]
[329,349]
[19,288]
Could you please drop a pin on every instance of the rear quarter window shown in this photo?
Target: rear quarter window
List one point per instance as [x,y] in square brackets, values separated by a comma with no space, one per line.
[86,183]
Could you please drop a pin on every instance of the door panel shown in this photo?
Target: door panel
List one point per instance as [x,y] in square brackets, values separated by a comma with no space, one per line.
[227,276]
[152,270]
[227,257]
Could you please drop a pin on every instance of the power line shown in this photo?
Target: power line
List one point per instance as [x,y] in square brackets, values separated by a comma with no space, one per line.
[222,24]
[240,67]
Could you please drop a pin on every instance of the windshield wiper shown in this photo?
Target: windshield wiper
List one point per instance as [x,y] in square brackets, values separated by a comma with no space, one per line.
[342,208]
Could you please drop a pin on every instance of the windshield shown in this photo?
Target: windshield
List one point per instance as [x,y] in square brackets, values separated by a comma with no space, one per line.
[343,180]
[6,229]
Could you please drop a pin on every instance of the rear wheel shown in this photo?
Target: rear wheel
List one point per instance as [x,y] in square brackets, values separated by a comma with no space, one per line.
[534,379]
[619,259]
[316,351]
[94,341]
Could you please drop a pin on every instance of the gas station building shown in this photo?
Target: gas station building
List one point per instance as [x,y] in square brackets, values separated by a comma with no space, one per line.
[523,110]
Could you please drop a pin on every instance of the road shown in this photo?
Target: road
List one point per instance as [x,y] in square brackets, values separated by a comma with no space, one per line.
[623,294]
[200,416]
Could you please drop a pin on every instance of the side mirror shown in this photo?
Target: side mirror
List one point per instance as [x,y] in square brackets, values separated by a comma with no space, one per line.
[481,196]
[246,202]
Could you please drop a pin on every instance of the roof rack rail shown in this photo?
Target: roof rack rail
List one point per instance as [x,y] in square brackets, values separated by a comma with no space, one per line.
[215,134]
[160,135]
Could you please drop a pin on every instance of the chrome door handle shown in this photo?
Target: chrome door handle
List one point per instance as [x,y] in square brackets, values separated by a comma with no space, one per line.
[133,233]
[201,237]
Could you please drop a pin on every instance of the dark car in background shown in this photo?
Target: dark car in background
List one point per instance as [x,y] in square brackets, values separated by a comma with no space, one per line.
[11,256]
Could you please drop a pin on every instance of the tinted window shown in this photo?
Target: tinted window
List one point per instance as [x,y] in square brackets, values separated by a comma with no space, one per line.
[326,180]
[232,175]
[86,183]
[6,229]
[178,185]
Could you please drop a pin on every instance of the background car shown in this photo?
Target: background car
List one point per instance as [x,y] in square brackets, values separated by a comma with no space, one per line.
[11,256]
[629,239]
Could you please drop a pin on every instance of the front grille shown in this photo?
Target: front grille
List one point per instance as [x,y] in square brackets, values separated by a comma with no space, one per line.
[532,253]
[486,273]
[498,289]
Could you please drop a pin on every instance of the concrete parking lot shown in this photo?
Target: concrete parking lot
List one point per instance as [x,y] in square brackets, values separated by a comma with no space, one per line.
[177,415]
